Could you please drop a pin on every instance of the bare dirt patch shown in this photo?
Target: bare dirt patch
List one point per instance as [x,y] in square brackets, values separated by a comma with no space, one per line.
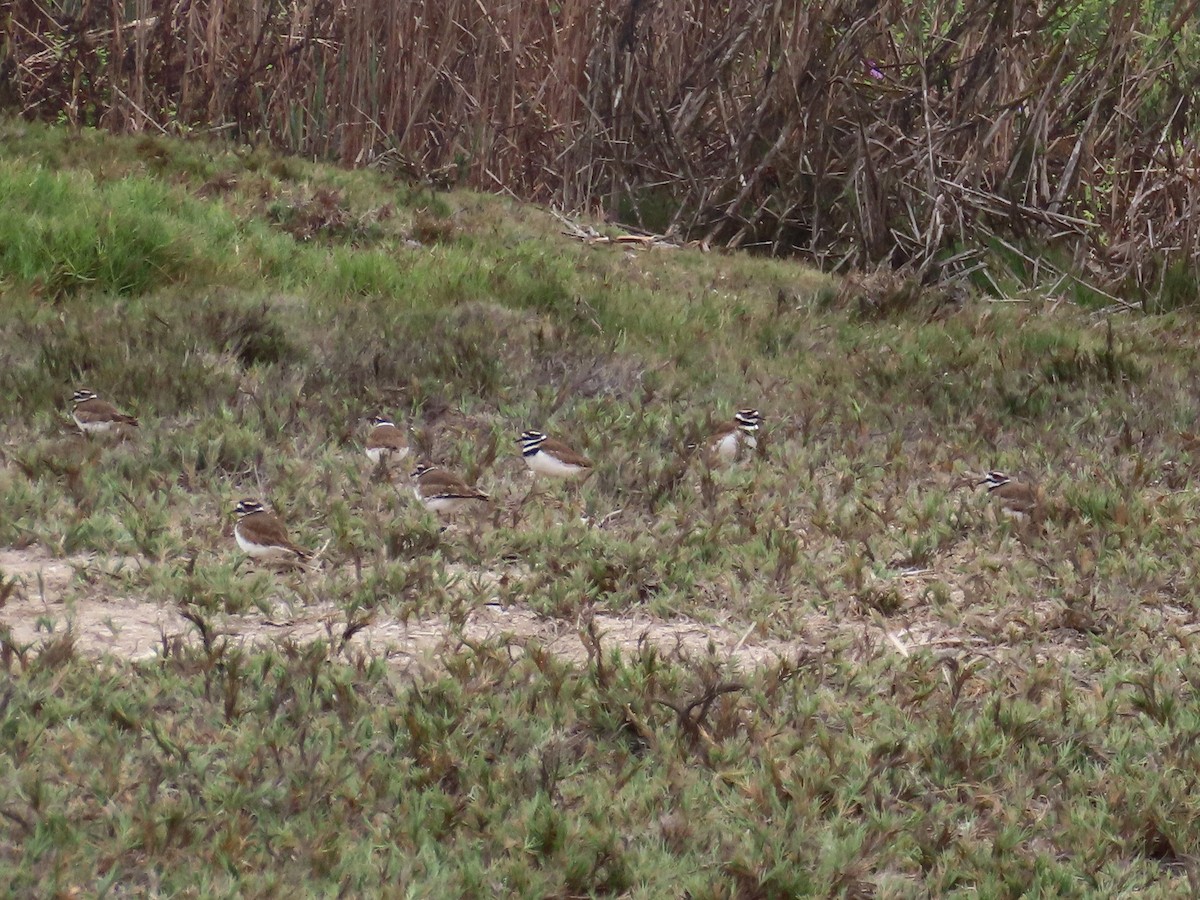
[135,629]
[44,605]
[36,609]
[132,628]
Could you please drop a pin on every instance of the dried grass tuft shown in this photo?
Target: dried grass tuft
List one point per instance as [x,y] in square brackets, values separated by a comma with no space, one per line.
[918,135]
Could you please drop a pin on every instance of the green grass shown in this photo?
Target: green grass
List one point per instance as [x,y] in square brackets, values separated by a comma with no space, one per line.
[1032,734]
[237,772]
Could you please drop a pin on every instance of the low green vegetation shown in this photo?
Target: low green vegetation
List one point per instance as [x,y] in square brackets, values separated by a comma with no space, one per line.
[964,703]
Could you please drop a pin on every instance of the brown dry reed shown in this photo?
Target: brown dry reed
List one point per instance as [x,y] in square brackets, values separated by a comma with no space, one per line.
[913,134]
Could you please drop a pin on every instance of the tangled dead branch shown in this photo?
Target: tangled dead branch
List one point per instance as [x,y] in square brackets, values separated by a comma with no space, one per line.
[926,136]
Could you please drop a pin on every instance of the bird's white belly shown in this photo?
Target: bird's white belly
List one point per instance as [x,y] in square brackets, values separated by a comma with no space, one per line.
[544,464]
[93,427]
[259,551]
[727,447]
[444,505]
[391,455]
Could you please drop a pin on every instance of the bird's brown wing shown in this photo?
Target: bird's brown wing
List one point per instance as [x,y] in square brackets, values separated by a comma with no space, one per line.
[720,434]
[98,411]
[264,528]
[440,483]
[1016,496]
[564,453]
[386,437]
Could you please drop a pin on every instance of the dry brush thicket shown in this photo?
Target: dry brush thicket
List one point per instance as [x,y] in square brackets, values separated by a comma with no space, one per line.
[916,133]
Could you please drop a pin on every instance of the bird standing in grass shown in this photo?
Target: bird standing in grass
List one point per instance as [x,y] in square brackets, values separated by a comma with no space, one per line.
[727,443]
[263,536]
[547,456]
[96,416]
[442,492]
[1017,499]
[386,444]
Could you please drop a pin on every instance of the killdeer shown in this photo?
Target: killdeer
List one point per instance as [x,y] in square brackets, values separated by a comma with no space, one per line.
[262,535]
[386,444]
[726,443]
[96,416]
[442,492]
[1016,498]
[546,456]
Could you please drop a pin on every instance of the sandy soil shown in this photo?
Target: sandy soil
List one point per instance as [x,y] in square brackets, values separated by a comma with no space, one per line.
[50,597]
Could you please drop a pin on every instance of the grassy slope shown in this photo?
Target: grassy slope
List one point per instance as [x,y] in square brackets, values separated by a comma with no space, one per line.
[1043,739]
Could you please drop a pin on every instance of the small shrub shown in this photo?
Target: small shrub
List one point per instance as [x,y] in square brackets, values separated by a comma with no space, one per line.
[253,335]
